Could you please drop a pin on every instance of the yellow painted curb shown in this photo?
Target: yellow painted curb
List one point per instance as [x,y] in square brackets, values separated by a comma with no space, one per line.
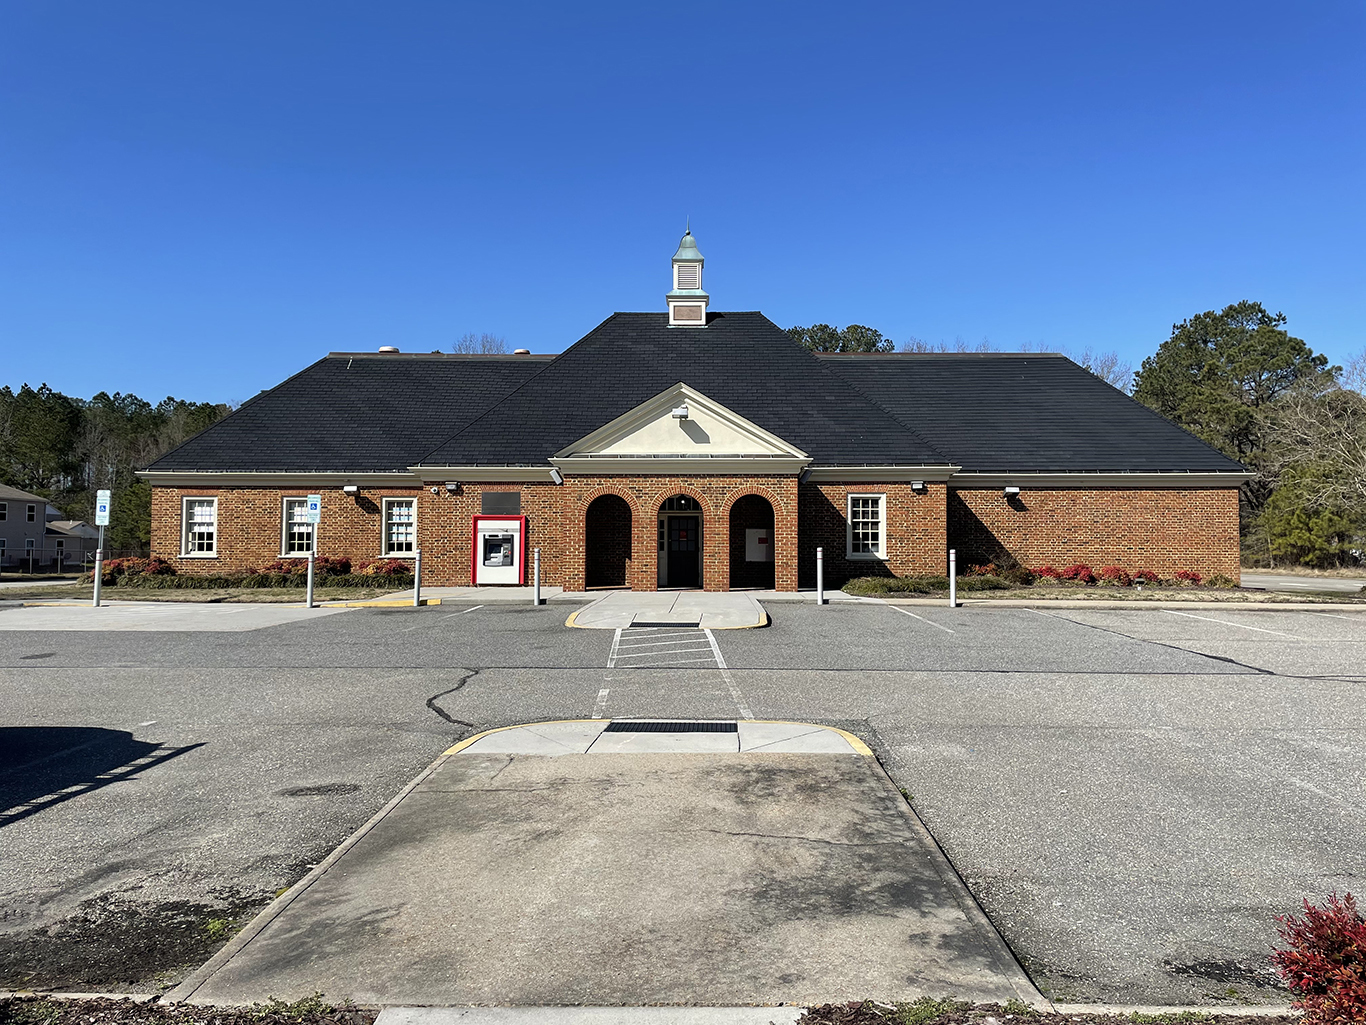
[858,745]
[573,616]
[385,604]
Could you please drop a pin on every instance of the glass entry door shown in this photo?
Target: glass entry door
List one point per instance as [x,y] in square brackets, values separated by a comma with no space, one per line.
[685,552]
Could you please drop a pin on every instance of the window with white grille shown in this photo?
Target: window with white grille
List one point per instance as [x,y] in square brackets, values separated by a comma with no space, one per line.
[866,526]
[400,526]
[689,275]
[201,526]
[298,532]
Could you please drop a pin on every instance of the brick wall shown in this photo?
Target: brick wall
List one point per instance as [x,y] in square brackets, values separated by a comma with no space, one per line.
[250,523]
[1163,530]
[915,522]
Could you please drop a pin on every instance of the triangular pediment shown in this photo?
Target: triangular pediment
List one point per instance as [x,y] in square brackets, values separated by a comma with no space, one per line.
[711,431]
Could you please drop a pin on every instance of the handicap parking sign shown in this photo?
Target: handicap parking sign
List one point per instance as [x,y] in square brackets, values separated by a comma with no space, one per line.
[101,508]
[315,508]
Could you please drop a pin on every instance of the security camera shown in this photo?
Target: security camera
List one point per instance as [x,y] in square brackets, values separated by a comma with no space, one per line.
[436,490]
[1010,492]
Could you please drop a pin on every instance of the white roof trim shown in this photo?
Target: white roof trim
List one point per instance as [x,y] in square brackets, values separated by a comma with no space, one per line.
[1166,479]
[651,410]
[727,465]
[276,479]
[866,474]
[489,474]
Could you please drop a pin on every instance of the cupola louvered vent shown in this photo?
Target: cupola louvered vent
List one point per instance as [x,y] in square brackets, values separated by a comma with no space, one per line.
[689,275]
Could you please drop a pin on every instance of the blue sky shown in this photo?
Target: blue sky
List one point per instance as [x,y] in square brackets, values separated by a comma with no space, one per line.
[201,199]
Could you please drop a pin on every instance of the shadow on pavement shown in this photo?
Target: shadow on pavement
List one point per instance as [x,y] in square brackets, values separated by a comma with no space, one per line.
[41,766]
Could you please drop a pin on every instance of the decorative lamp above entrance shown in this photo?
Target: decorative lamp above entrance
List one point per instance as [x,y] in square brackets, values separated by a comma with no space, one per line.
[687,301]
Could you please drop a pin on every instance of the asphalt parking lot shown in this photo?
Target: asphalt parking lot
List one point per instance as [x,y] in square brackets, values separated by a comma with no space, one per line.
[1130,794]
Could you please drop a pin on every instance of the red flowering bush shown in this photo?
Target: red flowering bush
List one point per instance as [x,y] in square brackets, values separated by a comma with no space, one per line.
[1188,576]
[989,570]
[385,568]
[1048,571]
[1115,575]
[1324,962]
[1147,576]
[1081,573]
[323,566]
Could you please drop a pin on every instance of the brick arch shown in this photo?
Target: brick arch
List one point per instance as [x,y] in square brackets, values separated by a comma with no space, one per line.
[780,506]
[752,510]
[708,507]
[589,497]
[609,544]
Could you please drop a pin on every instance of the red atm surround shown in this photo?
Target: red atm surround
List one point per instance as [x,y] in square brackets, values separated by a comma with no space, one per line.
[474,547]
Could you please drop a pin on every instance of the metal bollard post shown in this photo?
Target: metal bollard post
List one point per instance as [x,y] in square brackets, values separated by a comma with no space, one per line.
[820,576]
[953,578]
[417,578]
[99,574]
[308,598]
[536,576]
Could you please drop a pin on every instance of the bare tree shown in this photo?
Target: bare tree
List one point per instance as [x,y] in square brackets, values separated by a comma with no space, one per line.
[1319,439]
[1353,374]
[485,344]
[1108,366]
[959,344]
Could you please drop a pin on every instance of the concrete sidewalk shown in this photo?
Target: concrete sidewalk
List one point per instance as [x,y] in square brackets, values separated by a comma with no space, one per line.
[708,610]
[744,878]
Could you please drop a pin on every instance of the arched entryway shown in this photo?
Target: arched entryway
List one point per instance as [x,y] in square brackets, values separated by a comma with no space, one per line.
[607,542]
[680,542]
[751,543]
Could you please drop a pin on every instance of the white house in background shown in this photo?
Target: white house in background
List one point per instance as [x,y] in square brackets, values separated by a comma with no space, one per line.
[33,532]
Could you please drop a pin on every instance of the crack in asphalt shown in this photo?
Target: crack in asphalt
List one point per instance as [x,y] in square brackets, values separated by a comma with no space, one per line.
[431,701]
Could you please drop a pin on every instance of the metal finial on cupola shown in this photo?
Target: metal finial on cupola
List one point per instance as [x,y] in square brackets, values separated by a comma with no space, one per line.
[687,301]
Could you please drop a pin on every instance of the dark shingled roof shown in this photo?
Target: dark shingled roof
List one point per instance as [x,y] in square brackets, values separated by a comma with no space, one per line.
[357,412]
[1025,412]
[989,412]
[742,360]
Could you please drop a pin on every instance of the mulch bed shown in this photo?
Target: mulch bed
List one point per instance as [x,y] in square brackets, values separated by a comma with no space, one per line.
[99,1011]
[947,1012]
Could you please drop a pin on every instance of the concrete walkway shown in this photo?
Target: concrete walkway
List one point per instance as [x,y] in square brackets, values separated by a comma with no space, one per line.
[709,610]
[732,879]
[473,595]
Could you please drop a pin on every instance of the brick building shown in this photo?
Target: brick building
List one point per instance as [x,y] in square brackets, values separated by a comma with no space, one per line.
[691,448]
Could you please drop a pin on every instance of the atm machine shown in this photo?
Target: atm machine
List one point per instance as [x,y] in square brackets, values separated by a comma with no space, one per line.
[499,550]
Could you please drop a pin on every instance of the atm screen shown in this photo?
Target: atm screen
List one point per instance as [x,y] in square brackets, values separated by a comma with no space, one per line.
[497,549]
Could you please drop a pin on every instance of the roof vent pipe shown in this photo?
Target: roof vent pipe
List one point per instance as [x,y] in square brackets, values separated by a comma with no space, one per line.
[388,348]
[521,352]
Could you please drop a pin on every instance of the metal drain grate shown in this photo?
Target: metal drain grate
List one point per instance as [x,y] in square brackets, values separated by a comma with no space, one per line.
[656,626]
[626,726]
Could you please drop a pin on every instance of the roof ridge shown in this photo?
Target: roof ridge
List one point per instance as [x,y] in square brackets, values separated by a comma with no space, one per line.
[506,398]
[259,395]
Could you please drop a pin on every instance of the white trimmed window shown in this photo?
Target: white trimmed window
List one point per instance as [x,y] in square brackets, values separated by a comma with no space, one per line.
[4,511]
[400,526]
[32,513]
[2,547]
[297,534]
[867,532]
[200,534]
[30,544]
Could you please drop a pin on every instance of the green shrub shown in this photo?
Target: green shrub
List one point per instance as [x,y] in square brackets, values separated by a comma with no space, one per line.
[982,584]
[1020,576]
[869,586]
[1219,580]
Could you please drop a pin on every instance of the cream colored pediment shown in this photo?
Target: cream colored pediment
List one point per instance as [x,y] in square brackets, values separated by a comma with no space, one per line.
[710,432]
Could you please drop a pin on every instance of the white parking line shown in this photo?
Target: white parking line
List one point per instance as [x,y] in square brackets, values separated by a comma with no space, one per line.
[921,618]
[1329,615]
[472,608]
[1225,622]
[600,706]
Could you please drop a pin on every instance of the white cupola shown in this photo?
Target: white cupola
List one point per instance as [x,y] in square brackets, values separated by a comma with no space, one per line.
[687,301]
